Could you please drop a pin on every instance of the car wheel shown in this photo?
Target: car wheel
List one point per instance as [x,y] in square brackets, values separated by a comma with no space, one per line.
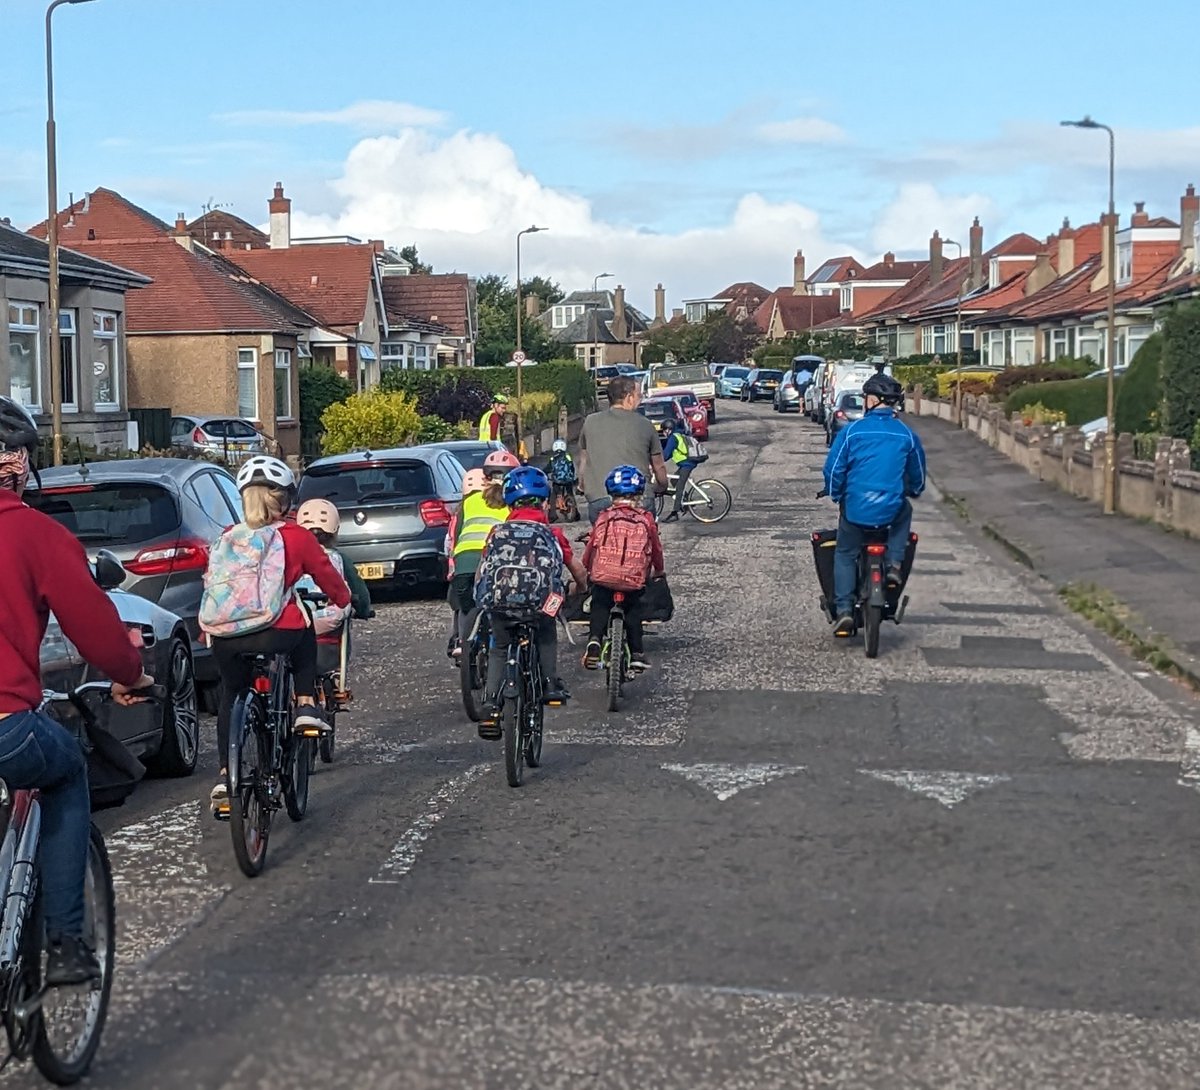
[180,719]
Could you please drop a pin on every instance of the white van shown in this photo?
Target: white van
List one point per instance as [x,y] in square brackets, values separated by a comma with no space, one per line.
[846,376]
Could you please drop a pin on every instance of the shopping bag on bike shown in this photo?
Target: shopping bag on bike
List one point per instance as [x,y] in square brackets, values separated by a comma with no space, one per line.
[113,771]
[521,569]
[696,451]
[657,604]
[620,547]
[244,586]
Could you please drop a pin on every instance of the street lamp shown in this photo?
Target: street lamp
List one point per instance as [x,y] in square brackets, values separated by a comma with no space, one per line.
[1110,438]
[530,230]
[598,277]
[957,338]
[56,383]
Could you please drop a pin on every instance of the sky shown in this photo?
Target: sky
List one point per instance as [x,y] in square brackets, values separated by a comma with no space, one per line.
[695,144]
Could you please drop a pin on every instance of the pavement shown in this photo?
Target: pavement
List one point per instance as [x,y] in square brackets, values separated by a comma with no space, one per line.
[968,863]
[1151,571]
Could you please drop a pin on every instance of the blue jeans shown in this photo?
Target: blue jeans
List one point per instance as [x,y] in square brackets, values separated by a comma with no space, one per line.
[850,540]
[35,751]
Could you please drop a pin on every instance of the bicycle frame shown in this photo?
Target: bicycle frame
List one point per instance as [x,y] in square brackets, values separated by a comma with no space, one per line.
[18,871]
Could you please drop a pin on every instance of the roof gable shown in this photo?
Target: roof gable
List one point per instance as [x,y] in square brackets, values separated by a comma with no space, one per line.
[25,254]
[221,229]
[444,298]
[101,216]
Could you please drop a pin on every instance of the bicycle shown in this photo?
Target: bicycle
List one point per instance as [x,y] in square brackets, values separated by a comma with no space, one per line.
[615,655]
[473,663]
[520,700]
[707,501]
[333,695]
[563,506]
[58,1028]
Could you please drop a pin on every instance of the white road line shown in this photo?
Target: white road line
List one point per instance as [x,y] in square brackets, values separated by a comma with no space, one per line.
[1189,765]
[404,854]
[726,780]
[948,788]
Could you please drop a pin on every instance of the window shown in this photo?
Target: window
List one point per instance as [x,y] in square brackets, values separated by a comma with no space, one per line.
[104,359]
[203,489]
[248,383]
[937,339]
[421,357]
[70,360]
[24,354]
[564,314]
[283,384]
[847,297]
[232,496]
[1125,263]
[1057,343]
[392,356]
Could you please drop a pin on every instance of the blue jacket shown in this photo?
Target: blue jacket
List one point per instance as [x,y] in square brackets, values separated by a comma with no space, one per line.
[873,464]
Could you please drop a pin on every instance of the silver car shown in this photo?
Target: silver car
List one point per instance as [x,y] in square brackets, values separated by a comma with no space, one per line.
[229,438]
[787,395]
[849,408]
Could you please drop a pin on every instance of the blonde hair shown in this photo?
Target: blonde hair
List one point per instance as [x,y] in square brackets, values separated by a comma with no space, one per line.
[493,495]
[262,504]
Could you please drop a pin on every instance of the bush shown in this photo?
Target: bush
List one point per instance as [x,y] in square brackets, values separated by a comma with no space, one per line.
[433,429]
[946,381]
[1082,399]
[1181,371]
[456,394]
[910,375]
[320,387]
[1058,371]
[1037,413]
[1140,397]
[372,420]
[537,409]
[937,359]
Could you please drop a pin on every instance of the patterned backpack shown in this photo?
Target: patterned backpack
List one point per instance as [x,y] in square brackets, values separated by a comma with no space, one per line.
[621,549]
[521,568]
[244,586]
[561,469]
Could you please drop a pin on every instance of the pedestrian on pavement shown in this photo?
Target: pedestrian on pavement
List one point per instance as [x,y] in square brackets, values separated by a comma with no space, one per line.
[616,436]
[492,420]
[675,451]
[874,465]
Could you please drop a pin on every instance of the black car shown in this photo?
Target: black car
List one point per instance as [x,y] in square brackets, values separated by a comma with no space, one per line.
[761,383]
[658,410]
[158,516]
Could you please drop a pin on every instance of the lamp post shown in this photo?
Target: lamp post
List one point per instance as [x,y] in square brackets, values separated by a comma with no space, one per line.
[530,230]
[957,339]
[1110,351]
[598,277]
[56,383]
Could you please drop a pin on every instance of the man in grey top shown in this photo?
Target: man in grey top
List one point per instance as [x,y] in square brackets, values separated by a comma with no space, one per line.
[616,437]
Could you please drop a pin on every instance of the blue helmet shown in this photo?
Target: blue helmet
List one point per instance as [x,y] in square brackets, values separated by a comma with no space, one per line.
[625,481]
[525,483]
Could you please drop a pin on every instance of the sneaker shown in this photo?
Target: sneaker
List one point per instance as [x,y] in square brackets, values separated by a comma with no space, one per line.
[591,656]
[556,692]
[455,649]
[218,799]
[672,517]
[895,576]
[71,961]
[489,726]
[844,626]
[638,662]
[310,717]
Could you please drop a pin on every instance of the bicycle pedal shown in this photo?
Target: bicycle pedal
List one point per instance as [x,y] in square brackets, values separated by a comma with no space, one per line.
[556,703]
[309,732]
[220,811]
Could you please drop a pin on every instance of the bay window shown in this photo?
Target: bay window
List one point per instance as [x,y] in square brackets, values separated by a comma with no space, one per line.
[105,361]
[25,354]
[283,384]
[69,346]
[248,383]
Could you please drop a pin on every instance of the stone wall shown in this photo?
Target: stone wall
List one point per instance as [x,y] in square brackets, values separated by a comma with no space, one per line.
[1164,490]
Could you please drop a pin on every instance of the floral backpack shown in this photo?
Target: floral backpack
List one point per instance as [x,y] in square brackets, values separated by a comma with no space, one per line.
[244,585]
[521,570]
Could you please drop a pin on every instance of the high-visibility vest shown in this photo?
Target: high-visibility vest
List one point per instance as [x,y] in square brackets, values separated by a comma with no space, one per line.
[678,449]
[485,426]
[477,522]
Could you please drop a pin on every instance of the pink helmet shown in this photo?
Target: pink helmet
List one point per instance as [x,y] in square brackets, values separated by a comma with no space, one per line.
[318,515]
[474,480]
[499,462]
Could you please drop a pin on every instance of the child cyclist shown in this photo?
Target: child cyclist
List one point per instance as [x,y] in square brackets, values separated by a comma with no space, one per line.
[268,487]
[623,550]
[322,519]
[482,508]
[526,492]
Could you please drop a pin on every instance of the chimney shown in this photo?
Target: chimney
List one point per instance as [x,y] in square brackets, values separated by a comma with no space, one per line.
[532,305]
[799,284]
[377,245]
[935,259]
[1100,280]
[181,234]
[281,219]
[660,305]
[1042,272]
[1139,217]
[1066,249]
[1189,216]
[976,254]
[620,324]
[676,312]
[889,259]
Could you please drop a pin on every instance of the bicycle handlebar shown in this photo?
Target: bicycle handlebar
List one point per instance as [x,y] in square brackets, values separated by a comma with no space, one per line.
[156,693]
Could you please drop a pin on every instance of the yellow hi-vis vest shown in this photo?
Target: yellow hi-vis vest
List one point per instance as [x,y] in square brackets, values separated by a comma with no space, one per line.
[477,522]
[485,426]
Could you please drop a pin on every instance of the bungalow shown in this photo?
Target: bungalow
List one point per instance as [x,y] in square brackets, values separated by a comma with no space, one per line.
[446,304]
[598,327]
[741,300]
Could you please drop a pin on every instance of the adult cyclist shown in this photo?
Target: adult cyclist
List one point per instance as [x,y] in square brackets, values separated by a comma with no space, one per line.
[872,468]
[44,569]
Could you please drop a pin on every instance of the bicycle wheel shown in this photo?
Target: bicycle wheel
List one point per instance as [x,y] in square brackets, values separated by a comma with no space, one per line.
[660,503]
[616,658]
[249,766]
[472,668]
[532,746]
[297,762]
[707,501]
[872,618]
[512,715]
[325,744]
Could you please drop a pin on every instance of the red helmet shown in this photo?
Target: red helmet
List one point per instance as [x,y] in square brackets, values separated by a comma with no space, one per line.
[500,462]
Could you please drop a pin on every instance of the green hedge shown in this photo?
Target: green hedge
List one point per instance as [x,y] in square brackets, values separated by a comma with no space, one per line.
[1181,371]
[569,381]
[1139,400]
[1059,371]
[919,374]
[1082,399]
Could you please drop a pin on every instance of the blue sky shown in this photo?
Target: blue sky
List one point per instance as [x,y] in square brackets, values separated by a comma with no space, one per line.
[694,143]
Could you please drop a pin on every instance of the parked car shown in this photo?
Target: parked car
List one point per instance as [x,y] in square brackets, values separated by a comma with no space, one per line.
[849,407]
[470,453]
[731,379]
[787,394]
[1102,372]
[658,410]
[164,736]
[691,376]
[693,408]
[158,516]
[812,396]
[761,382]
[603,375]
[227,437]
[395,507]
[628,370]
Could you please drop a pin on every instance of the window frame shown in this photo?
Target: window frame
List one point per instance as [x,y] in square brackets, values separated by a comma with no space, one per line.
[284,355]
[111,337]
[250,365]
[22,326]
[69,340]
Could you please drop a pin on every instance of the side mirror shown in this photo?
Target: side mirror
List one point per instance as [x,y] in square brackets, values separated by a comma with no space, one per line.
[110,572]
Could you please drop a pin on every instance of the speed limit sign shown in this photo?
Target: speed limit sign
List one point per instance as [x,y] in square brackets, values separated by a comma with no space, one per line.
[518,357]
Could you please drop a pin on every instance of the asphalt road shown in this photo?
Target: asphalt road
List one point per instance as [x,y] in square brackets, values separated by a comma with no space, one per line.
[970,863]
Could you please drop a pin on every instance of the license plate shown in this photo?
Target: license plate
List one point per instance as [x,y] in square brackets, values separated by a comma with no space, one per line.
[770,385]
[372,571]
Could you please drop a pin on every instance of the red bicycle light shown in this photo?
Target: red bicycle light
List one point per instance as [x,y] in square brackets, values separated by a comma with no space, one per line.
[876,550]
[262,685]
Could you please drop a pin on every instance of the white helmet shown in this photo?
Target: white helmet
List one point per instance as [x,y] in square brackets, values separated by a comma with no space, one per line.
[560,445]
[262,469]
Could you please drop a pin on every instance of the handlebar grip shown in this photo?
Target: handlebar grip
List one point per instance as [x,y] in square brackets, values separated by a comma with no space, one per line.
[823,494]
[154,692]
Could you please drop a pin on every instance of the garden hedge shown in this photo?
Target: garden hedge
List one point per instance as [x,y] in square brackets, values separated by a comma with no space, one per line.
[458,394]
[1082,399]
[1139,400]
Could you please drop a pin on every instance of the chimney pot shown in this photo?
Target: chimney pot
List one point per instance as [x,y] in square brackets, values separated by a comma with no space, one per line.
[1139,217]
[1189,215]
[280,208]
[889,258]
[676,312]
[799,281]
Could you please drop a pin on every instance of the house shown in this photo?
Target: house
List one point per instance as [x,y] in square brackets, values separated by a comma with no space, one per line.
[785,314]
[92,333]
[599,327]
[219,229]
[446,304]
[741,300]
[830,277]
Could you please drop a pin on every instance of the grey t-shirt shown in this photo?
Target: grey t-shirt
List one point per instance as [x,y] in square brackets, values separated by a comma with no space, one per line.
[615,437]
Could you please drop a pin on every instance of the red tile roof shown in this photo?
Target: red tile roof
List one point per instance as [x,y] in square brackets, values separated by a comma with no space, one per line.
[103,215]
[891,270]
[802,312]
[210,230]
[837,269]
[439,297]
[744,294]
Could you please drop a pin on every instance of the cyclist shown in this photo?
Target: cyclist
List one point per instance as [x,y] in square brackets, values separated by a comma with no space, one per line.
[526,491]
[43,569]
[622,550]
[268,487]
[561,471]
[498,463]
[874,465]
[675,452]
[482,508]
[493,418]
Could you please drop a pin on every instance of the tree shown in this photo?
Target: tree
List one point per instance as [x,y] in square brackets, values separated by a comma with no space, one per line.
[409,253]
[548,292]
[1181,371]
[730,339]
[497,338]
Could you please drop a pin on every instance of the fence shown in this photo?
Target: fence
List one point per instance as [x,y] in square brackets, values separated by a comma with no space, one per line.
[154,427]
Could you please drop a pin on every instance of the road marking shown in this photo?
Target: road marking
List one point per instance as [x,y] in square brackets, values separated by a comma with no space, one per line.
[726,780]
[948,788]
[1189,764]
[404,854]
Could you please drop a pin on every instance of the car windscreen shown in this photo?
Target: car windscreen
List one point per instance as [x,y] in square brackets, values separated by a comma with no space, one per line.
[110,515]
[735,372]
[656,410]
[768,376]
[471,457]
[851,401]
[682,373]
[353,483]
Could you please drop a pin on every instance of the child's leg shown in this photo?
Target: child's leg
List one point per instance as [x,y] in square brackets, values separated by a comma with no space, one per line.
[303,654]
[497,657]
[547,645]
[602,602]
[633,620]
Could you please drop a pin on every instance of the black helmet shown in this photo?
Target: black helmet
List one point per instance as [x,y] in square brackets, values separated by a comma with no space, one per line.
[17,429]
[884,387]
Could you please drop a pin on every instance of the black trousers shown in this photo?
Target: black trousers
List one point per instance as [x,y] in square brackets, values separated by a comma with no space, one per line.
[602,603]
[299,644]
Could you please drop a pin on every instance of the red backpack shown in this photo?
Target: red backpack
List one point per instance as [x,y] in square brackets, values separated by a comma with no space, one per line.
[621,549]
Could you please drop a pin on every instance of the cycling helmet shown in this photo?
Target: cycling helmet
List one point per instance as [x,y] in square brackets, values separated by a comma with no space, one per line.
[884,387]
[318,514]
[625,481]
[528,484]
[17,429]
[499,399]
[263,469]
[474,480]
[500,462]
[560,446]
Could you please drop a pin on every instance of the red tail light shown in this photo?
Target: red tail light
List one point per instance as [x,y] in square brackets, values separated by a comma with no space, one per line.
[434,513]
[198,436]
[262,684]
[839,415]
[167,559]
[876,550]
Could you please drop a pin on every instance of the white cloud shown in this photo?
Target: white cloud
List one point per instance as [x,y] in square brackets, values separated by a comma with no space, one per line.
[801,130]
[919,209]
[736,131]
[373,115]
[462,199]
